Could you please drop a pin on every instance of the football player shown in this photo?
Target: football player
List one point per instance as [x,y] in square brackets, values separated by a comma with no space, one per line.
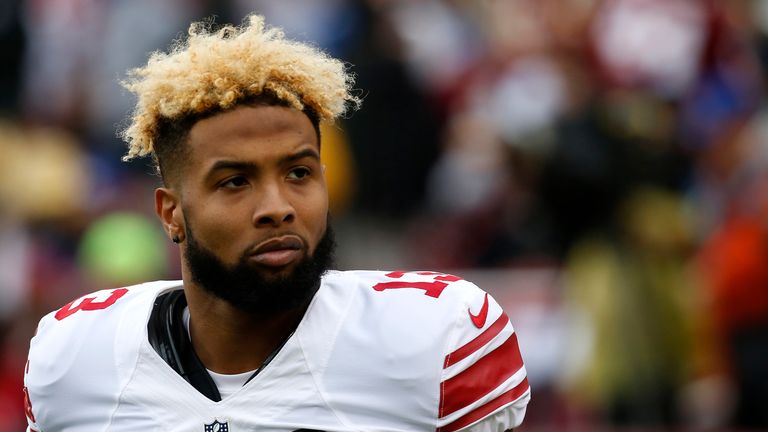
[260,334]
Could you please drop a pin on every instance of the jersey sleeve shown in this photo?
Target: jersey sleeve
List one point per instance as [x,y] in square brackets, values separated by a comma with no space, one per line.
[32,425]
[73,361]
[484,385]
[31,408]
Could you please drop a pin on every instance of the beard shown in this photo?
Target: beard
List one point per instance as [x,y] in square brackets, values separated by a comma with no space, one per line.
[252,289]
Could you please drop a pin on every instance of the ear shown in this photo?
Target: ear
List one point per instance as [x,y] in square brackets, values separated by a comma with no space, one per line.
[170,213]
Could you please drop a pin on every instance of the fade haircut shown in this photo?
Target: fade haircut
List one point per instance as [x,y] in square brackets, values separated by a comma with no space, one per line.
[210,72]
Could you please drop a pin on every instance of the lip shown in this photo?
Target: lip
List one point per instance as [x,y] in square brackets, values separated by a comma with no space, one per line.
[278,252]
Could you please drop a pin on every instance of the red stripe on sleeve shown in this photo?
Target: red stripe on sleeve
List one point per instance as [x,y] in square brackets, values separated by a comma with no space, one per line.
[489,372]
[478,342]
[486,409]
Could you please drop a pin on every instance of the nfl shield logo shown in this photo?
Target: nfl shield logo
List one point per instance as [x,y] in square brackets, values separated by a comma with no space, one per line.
[217,427]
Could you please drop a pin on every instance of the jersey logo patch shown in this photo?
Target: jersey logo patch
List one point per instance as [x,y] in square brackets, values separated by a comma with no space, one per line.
[217,427]
[479,319]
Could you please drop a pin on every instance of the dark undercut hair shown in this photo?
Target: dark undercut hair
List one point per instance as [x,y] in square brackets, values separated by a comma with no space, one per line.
[171,149]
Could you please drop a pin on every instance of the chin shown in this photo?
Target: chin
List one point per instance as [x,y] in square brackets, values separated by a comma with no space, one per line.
[275,273]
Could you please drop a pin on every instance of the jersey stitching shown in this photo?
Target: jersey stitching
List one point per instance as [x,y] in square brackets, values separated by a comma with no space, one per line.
[130,378]
[135,365]
[339,417]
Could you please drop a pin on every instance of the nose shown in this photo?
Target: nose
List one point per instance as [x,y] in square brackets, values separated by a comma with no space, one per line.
[273,208]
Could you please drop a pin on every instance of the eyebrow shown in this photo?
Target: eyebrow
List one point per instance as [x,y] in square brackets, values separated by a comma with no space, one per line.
[306,153]
[250,166]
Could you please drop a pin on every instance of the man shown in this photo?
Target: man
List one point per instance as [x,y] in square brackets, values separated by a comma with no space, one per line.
[260,335]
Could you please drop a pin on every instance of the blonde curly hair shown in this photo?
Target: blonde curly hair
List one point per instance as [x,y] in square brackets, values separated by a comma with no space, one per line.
[211,72]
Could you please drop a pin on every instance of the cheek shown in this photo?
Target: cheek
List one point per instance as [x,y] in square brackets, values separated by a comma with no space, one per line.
[215,226]
[315,214]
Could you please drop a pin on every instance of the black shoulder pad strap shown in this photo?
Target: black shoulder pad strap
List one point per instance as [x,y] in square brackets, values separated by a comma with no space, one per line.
[170,339]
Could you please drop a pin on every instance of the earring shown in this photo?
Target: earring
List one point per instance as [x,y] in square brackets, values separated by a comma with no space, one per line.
[176,239]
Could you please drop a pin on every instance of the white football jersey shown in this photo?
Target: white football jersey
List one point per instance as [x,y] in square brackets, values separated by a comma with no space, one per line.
[375,351]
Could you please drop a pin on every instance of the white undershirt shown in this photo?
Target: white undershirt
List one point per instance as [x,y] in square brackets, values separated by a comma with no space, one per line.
[226,383]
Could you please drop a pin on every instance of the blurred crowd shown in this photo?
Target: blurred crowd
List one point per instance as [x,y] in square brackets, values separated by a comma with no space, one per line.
[620,144]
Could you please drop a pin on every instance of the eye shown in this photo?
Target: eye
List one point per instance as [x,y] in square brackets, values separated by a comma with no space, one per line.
[234,182]
[299,173]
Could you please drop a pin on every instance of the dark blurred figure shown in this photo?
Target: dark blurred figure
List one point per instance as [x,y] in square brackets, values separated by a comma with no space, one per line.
[395,137]
[12,45]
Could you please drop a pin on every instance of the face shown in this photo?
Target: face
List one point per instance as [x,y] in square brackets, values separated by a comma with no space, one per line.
[251,204]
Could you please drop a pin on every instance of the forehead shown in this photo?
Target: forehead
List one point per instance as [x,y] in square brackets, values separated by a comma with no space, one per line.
[250,132]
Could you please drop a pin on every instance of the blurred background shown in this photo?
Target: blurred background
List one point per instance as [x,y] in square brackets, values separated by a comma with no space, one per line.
[599,166]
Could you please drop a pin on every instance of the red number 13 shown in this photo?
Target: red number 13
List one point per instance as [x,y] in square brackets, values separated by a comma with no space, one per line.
[431,288]
[88,303]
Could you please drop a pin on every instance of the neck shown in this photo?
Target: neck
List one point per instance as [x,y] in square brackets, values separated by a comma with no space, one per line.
[228,340]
